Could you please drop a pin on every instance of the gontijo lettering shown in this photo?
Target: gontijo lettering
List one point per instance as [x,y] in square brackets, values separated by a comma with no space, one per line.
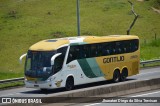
[113,59]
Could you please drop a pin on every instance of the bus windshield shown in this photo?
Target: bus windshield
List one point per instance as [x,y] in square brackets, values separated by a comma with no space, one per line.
[38,63]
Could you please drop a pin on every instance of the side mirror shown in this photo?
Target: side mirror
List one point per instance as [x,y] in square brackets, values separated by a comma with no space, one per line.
[20,59]
[53,58]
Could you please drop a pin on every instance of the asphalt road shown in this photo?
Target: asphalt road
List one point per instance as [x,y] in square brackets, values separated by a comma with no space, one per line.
[139,98]
[28,92]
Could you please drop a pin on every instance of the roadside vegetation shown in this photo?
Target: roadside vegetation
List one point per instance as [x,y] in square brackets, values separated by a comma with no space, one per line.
[11,85]
[25,22]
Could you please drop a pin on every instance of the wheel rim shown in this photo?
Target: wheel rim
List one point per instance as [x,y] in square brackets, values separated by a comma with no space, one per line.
[123,77]
[116,76]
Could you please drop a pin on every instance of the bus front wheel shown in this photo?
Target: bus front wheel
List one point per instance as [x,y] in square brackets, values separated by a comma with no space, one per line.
[44,90]
[69,83]
[116,76]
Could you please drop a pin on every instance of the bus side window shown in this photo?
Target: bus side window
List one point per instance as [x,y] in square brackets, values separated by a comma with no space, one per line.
[85,49]
[118,47]
[127,46]
[99,49]
[77,51]
[74,53]
[123,47]
[113,46]
[60,59]
[58,64]
[106,49]
[94,51]
[135,45]
[62,50]
[71,54]
[130,45]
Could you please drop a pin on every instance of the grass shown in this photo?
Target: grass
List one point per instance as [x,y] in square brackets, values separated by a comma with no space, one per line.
[150,50]
[10,85]
[24,22]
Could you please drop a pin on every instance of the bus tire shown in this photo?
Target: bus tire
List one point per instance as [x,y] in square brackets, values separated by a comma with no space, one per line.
[44,90]
[116,76]
[69,83]
[124,74]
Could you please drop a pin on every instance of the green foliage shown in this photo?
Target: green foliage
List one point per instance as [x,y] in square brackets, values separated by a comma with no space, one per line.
[155,43]
[150,50]
[157,4]
[10,74]
[25,22]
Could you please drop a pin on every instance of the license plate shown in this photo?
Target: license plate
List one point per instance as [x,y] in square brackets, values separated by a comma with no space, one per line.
[36,85]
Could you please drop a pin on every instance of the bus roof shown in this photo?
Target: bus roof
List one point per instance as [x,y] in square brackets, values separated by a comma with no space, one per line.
[54,44]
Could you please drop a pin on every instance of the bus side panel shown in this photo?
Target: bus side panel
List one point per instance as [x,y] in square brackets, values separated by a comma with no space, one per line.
[102,66]
[135,61]
[90,67]
[130,61]
[83,71]
[135,68]
[119,66]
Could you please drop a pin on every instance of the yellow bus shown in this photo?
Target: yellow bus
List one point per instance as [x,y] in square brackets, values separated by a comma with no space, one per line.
[70,61]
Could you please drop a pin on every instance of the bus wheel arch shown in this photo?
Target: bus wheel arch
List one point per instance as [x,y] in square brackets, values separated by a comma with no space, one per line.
[69,83]
[116,76]
[124,74]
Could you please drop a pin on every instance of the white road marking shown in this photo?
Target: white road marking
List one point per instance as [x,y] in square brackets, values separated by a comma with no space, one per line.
[131,96]
[146,94]
[92,104]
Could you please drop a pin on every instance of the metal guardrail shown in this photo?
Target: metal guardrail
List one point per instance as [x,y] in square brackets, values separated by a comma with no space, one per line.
[143,63]
[12,80]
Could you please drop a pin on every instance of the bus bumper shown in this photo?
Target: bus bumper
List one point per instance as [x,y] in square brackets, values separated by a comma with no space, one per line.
[40,84]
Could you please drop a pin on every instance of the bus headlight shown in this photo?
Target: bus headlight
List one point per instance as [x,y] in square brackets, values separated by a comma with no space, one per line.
[25,79]
[50,79]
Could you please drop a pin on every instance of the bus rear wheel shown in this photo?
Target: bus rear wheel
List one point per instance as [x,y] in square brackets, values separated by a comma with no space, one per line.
[69,83]
[124,74]
[116,76]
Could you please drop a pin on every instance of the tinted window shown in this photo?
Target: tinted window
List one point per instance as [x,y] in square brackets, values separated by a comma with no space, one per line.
[74,53]
[134,45]
[107,49]
[59,60]
[119,47]
[99,49]
[85,51]
[102,49]
[94,50]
